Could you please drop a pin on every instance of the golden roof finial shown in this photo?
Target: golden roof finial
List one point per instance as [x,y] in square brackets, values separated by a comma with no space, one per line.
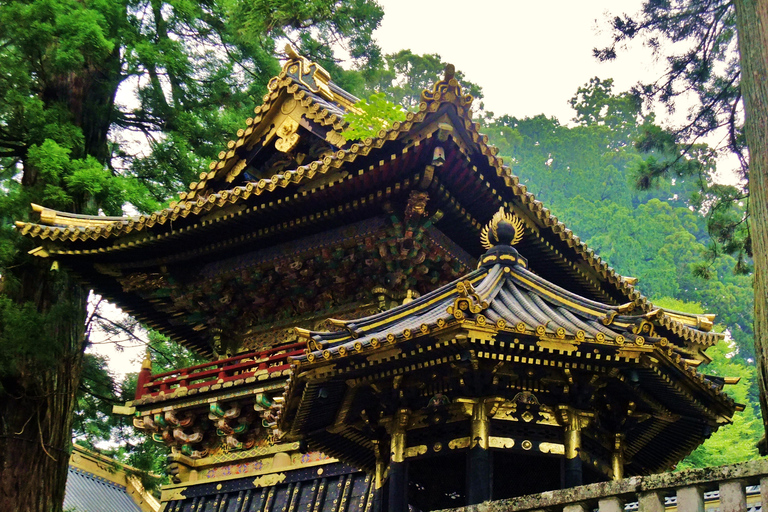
[448,90]
[504,228]
[291,52]
[310,74]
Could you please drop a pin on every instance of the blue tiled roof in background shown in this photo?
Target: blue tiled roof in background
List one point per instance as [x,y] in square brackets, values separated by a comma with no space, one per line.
[86,492]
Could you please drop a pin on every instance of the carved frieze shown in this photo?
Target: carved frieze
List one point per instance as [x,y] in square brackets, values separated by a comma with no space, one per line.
[245,306]
[222,427]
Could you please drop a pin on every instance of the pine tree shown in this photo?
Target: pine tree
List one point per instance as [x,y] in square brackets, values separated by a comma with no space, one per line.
[732,92]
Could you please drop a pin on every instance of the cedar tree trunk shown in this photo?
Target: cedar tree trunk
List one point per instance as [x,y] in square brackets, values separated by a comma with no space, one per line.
[37,400]
[752,25]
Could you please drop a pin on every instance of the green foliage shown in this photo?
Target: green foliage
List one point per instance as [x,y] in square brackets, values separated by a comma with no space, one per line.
[598,153]
[167,355]
[597,105]
[586,175]
[395,85]
[97,428]
[19,330]
[374,115]
[196,77]
[673,304]
[314,24]
[403,75]
[706,67]
[27,342]
[736,442]
[93,419]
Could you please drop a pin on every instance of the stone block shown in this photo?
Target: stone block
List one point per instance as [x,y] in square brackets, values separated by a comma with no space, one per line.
[650,502]
[690,499]
[610,505]
[732,496]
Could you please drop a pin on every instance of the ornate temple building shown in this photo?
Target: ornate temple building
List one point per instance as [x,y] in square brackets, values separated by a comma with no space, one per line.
[392,324]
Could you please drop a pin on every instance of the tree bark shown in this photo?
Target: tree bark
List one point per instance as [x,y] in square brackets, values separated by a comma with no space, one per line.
[37,401]
[752,27]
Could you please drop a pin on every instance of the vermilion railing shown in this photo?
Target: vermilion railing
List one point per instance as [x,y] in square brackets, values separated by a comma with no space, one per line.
[217,372]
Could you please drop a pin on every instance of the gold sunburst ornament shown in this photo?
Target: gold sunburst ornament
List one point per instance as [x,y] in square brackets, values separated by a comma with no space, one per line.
[504,228]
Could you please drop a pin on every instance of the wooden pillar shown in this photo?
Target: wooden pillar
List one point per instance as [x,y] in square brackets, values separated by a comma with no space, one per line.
[398,476]
[479,472]
[617,457]
[378,478]
[573,466]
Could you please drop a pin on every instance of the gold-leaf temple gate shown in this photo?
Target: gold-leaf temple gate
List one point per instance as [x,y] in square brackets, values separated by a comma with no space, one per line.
[394,323]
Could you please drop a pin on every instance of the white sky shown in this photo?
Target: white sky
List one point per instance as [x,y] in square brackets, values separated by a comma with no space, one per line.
[123,353]
[528,56]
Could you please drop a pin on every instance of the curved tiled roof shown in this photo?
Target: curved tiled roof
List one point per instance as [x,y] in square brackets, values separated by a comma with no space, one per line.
[305,82]
[509,297]
[97,483]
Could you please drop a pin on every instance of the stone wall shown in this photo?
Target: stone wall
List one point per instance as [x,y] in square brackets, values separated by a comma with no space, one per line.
[648,491]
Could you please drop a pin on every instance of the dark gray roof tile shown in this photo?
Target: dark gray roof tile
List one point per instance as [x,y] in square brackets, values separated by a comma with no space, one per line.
[86,492]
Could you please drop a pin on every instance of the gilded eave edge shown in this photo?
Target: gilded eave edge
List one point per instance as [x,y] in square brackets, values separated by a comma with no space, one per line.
[609,316]
[383,331]
[69,227]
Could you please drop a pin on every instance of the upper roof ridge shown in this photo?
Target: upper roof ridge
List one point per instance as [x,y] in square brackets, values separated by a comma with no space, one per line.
[310,74]
[448,90]
[306,82]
